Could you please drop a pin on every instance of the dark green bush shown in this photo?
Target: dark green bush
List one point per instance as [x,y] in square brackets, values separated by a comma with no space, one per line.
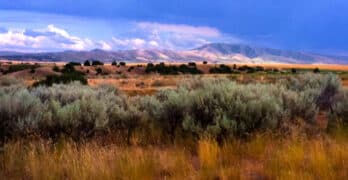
[97,63]
[339,114]
[55,68]
[69,74]
[130,68]
[293,70]
[171,69]
[222,69]
[316,70]
[74,64]
[87,63]
[64,78]
[21,67]
[192,64]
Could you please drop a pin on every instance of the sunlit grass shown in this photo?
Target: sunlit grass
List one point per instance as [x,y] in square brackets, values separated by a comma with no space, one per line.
[262,156]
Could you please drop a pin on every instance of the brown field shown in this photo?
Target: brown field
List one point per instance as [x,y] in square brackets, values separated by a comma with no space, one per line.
[138,82]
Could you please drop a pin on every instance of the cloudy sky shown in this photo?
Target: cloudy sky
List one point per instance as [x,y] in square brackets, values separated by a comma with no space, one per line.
[55,25]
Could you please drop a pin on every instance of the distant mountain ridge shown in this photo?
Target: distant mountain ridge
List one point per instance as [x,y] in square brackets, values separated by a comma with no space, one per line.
[213,53]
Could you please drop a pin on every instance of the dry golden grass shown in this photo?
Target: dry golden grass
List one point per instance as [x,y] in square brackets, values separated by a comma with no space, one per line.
[334,67]
[263,156]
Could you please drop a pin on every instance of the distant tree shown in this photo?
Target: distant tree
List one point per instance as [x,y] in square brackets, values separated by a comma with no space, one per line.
[130,68]
[293,70]
[259,68]
[316,70]
[192,64]
[205,62]
[122,63]
[221,69]
[114,63]
[68,68]
[234,66]
[275,70]
[74,64]
[87,63]
[96,63]
[55,68]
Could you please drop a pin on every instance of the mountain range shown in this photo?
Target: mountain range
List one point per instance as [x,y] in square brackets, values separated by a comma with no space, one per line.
[212,53]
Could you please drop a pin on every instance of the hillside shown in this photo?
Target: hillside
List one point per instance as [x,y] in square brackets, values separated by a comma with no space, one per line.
[213,53]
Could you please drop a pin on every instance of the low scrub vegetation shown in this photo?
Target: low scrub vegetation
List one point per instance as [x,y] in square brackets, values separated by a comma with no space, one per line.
[211,128]
[97,63]
[69,74]
[222,69]
[218,108]
[172,69]
[20,67]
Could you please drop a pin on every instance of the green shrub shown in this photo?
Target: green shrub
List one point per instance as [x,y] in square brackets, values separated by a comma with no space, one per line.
[87,63]
[73,64]
[228,109]
[130,68]
[192,64]
[19,113]
[55,68]
[65,78]
[97,63]
[216,107]
[173,110]
[69,74]
[339,114]
[316,70]
[122,63]
[20,67]
[293,70]
[222,69]
[323,87]
[171,70]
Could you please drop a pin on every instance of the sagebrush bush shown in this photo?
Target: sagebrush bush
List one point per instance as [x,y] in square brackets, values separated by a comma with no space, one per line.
[322,87]
[228,109]
[339,113]
[19,112]
[216,107]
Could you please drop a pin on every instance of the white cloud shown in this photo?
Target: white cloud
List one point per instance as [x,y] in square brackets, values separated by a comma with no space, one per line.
[49,38]
[138,42]
[166,36]
[134,43]
[140,35]
[180,29]
[153,43]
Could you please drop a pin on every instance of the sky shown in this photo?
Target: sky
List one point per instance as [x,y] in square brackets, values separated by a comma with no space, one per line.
[54,25]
